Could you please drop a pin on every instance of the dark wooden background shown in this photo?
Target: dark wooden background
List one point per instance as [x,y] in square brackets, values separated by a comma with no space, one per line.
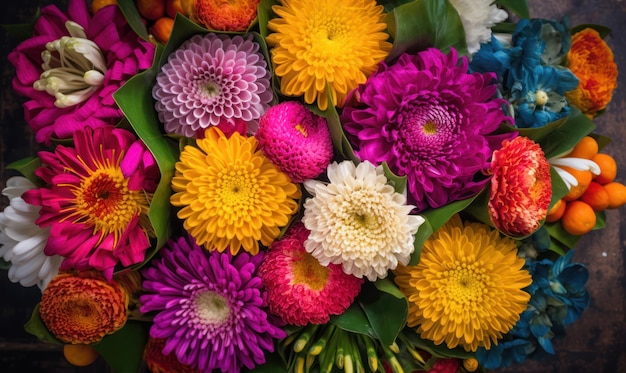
[596,343]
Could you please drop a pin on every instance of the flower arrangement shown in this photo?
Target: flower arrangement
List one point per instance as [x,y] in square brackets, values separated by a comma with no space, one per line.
[308,186]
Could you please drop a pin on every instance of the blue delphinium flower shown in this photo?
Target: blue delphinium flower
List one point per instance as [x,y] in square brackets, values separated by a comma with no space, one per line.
[558,298]
[529,71]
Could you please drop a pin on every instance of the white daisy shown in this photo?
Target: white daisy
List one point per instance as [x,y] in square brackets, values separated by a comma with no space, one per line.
[478,17]
[359,221]
[22,241]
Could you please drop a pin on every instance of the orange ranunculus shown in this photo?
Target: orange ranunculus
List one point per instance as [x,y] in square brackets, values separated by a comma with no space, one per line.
[225,15]
[592,61]
[83,307]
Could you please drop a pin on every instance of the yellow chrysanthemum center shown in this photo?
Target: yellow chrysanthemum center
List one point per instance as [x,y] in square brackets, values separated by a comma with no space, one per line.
[322,44]
[308,271]
[230,194]
[104,202]
[430,128]
[467,288]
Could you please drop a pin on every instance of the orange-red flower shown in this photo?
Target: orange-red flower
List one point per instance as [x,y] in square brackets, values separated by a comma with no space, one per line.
[521,187]
[592,61]
[234,15]
[83,307]
[158,362]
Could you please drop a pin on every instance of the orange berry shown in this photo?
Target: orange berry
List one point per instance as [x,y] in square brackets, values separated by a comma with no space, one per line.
[578,218]
[586,148]
[556,211]
[96,5]
[596,196]
[162,29]
[583,177]
[617,194]
[151,9]
[80,355]
[608,168]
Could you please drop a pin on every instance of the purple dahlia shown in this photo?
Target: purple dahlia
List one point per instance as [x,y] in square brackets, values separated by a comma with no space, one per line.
[431,121]
[210,306]
[71,67]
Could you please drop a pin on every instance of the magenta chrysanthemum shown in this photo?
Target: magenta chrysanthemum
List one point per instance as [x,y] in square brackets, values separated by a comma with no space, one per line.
[213,80]
[210,307]
[96,199]
[296,140]
[71,67]
[521,187]
[430,120]
[299,289]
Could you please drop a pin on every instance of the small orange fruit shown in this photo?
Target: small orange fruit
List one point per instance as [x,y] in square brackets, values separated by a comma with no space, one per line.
[586,148]
[583,177]
[80,355]
[556,211]
[96,5]
[617,194]
[578,218]
[596,196]
[151,9]
[162,29]
[608,168]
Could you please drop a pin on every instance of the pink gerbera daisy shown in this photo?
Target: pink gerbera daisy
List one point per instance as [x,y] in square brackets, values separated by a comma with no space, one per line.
[296,140]
[71,67]
[96,199]
[521,187]
[299,289]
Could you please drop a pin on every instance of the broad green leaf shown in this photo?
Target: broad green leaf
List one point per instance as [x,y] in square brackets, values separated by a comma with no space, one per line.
[389,5]
[135,99]
[565,135]
[36,327]
[601,140]
[425,230]
[134,19]
[557,232]
[387,286]
[273,364]
[354,320]
[123,350]
[385,312]
[27,167]
[398,182]
[337,135]
[421,24]
[441,350]
[559,189]
[264,14]
[519,7]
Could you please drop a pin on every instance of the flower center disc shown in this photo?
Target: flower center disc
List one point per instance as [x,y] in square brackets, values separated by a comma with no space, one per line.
[212,308]
[308,271]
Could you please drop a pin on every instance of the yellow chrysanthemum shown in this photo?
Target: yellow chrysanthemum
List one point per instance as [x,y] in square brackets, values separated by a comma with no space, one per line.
[467,288]
[326,43]
[230,194]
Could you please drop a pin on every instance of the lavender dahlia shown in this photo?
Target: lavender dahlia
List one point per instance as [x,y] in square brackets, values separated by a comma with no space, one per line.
[212,80]
[210,307]
[429,120]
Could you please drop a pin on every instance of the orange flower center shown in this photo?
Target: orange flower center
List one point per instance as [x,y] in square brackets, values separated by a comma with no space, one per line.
[308,271]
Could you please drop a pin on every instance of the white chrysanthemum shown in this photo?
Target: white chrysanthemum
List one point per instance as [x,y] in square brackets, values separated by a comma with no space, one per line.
[22,241]
[478,17]
[359,221]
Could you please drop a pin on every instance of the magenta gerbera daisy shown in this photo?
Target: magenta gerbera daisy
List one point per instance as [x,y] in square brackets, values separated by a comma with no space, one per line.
[209,307]
[96,199]
[296,140]
[71,67]
[521,187]
[213,80]
[430,120]
[299,289]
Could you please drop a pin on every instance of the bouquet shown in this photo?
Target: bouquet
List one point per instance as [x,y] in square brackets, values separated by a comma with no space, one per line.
[308,185]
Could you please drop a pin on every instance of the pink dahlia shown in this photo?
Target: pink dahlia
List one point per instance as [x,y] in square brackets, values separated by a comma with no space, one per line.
[213,80]
[210,307]
[521,187]
[296,140]
[71,67]
[299,289]
[96,199]
[431,121]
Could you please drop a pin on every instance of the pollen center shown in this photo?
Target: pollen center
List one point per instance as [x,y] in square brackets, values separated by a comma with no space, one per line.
[211,308]
[308,271]
[465,284]
[237,190]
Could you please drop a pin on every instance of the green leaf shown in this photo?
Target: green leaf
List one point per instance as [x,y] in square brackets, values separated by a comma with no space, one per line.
[559,189]
[519,7]
[123,350]
[135,100]
[354,320]
[36,327]
[134,19]
[602,30]
[557,232]
[337,135]
[425,230]
[273,364]
[389,5]
[27,167]
[23,31]
[4,265]
[562,136]
[398,182]
[421,24]
[387,286]
[385,312]
[264,14]
[441,350]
